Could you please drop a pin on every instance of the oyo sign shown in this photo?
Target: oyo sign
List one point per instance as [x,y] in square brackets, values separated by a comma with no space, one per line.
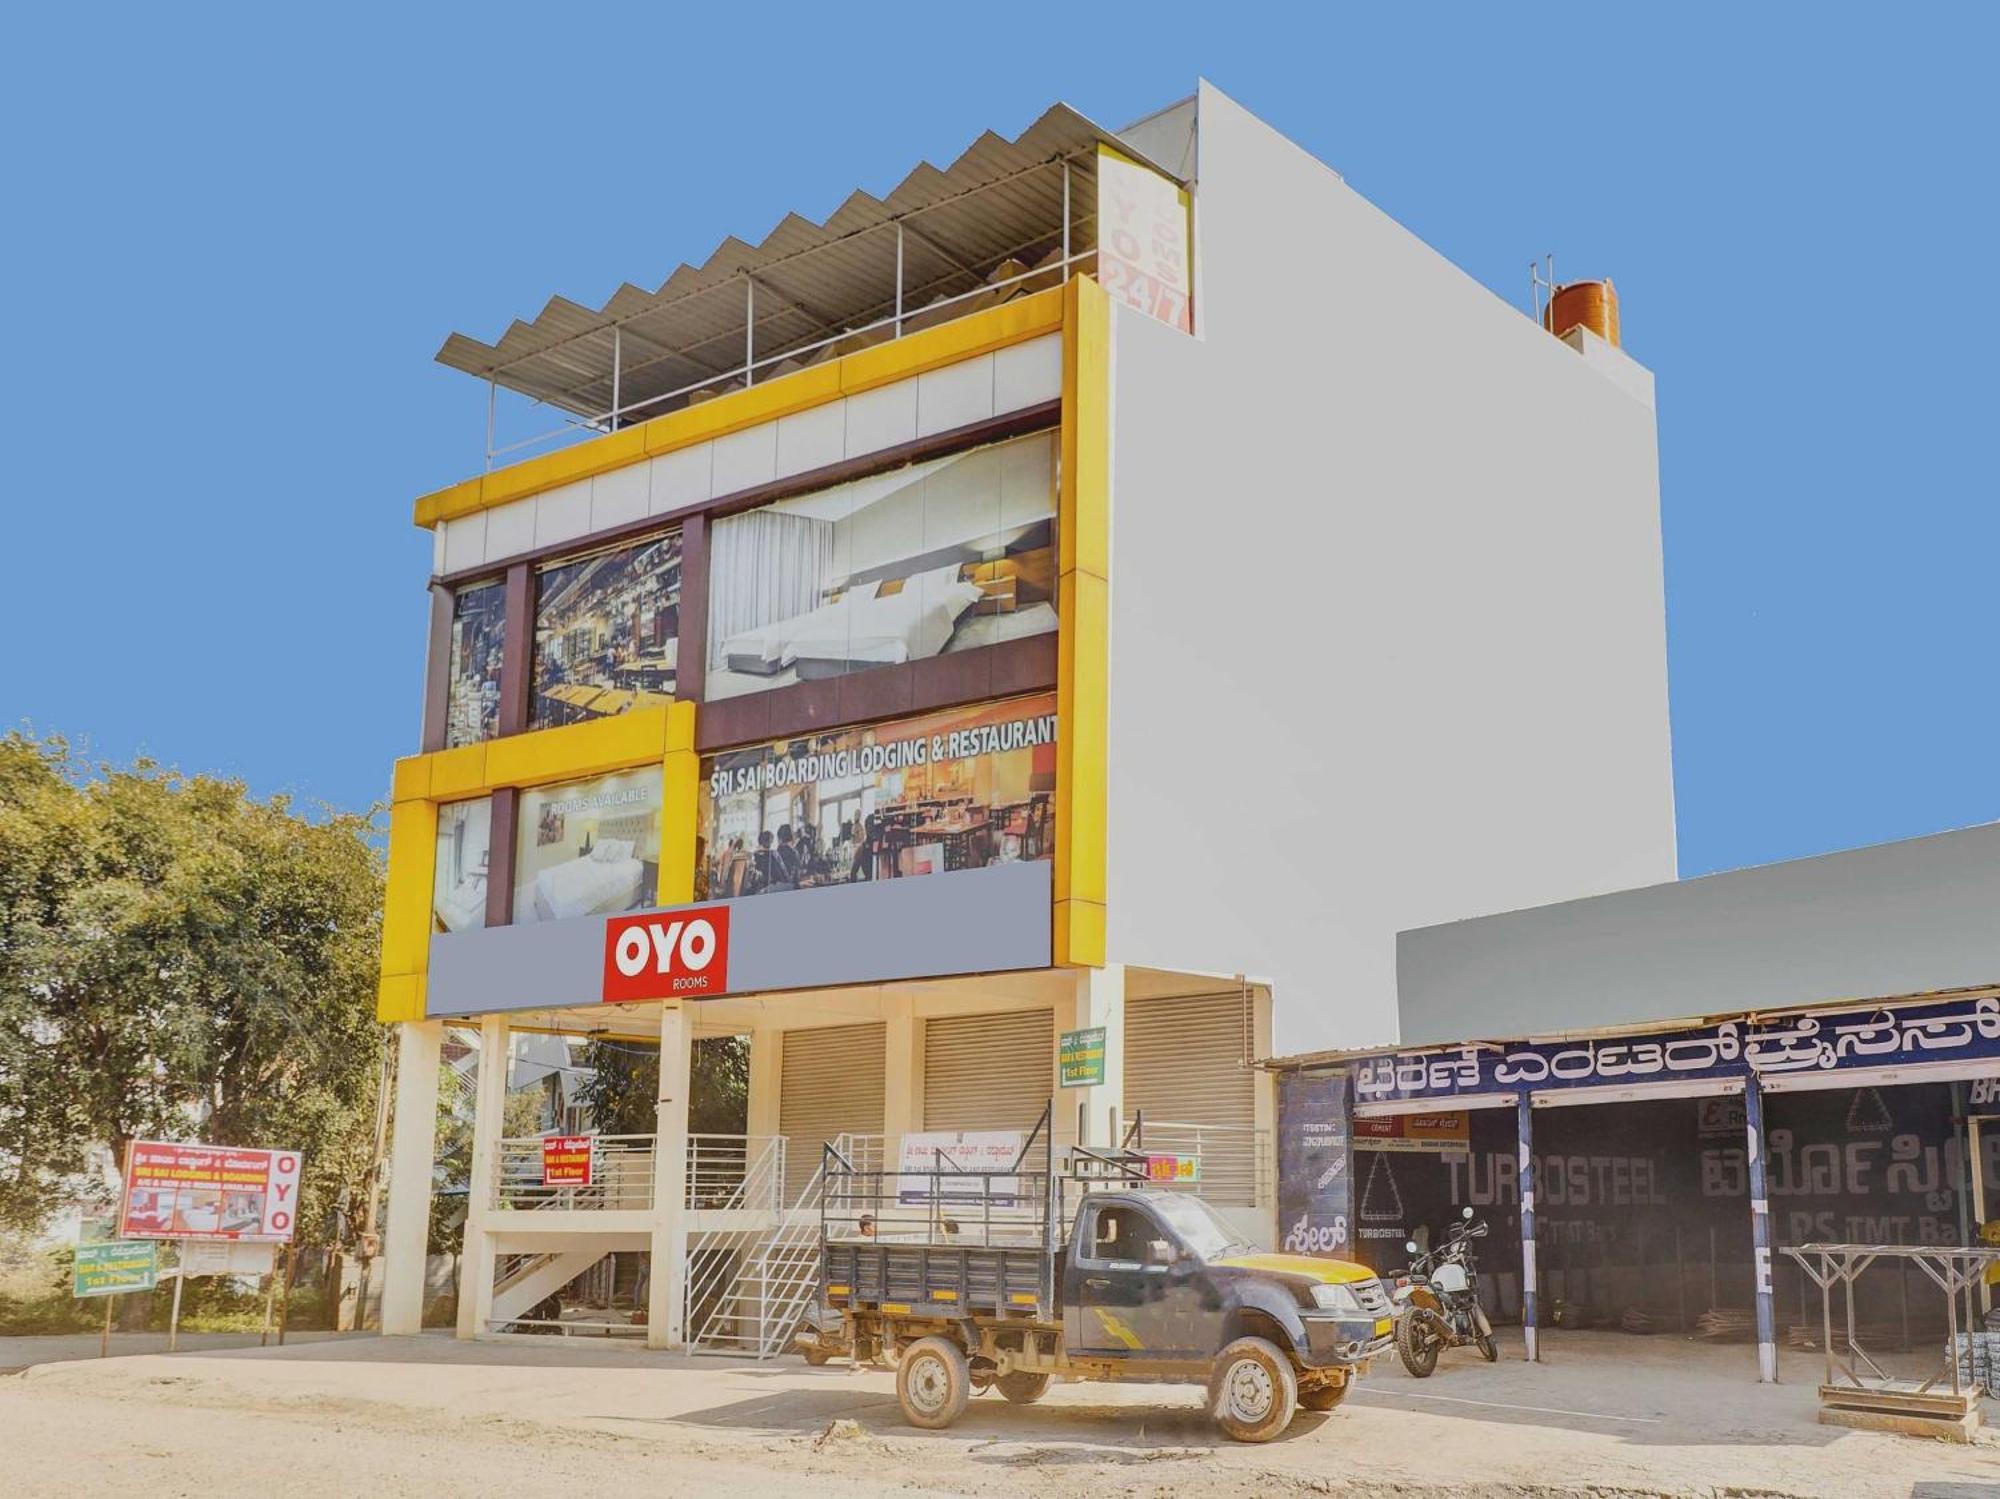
[667,955]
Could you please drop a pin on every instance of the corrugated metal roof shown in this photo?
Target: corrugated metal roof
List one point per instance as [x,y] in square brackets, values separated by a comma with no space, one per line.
[1000,199]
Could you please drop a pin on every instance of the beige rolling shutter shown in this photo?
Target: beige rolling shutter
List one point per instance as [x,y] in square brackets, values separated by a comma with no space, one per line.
[1184,1066]
[830,1084]
[989,1071]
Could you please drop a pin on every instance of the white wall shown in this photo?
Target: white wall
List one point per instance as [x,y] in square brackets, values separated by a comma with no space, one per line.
[1388,636]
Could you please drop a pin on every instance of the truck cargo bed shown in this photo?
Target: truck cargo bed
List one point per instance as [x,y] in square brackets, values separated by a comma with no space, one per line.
[950,1280]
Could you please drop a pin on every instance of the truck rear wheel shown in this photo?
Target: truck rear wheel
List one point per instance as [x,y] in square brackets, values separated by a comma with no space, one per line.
[1253,1393]
[933,1383]
[1021,1388]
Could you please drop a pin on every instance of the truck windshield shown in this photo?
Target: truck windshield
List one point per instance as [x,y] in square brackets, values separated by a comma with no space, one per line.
[1197,1224]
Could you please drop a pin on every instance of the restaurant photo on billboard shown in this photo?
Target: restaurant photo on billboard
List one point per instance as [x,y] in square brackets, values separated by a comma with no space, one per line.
[961,789]
[607,632]
[935,557]
[472,696]
[588,848]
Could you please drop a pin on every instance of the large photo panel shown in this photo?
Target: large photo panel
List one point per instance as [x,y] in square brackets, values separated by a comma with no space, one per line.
[588,848]
[962,789]
[458,883]
[607,632]
[472,696]
[941,556]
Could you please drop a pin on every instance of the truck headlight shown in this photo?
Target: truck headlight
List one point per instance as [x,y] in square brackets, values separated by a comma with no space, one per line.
[1342,1299]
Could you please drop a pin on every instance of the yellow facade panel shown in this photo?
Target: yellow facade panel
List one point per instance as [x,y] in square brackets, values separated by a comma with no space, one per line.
[411,780]
[1082,706]
[399,997]
[1084,513]
[406,900]
[1079,934]
[457,773]
[613,450]
[581,749]
[679,816]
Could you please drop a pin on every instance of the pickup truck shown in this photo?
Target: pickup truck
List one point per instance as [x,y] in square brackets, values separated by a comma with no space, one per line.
[1151,1285]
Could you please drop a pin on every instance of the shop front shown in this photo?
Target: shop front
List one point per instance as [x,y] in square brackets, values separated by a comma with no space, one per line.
[1651,1180]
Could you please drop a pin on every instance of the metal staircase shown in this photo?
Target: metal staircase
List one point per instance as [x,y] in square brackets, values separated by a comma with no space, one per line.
[750,1290]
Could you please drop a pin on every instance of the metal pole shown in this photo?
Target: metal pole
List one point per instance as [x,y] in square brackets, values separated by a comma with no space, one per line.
[1524,1125]
[285,1303]
[1065,254]
[1760,1231]
[899,278]
[617,365]
[104,1338]
[1975,1166]
[492,394]
[271,1296]
[174,1319]
[749,331]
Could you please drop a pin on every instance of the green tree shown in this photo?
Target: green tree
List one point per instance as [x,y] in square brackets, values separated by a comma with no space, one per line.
[178,960]
[623,1084]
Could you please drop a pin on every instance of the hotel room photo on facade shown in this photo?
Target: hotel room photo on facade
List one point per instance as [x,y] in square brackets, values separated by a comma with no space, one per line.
[1040,600]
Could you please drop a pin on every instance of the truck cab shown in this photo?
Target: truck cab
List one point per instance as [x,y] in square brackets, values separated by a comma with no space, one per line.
[1159,1281]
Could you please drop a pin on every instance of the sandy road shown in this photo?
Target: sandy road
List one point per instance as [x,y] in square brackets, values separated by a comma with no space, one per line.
[1606,1416]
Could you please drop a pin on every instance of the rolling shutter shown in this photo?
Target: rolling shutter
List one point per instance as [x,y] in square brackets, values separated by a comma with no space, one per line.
[830,1084]
[989,1071]
[1184,1066]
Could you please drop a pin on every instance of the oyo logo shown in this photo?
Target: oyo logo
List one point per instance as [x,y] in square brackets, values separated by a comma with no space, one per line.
[668,955]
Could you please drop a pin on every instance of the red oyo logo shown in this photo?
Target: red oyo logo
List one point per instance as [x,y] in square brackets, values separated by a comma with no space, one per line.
[668,955]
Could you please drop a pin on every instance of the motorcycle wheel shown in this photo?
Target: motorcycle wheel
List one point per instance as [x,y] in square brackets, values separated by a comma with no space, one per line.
[1488,1349]
[1417,1343]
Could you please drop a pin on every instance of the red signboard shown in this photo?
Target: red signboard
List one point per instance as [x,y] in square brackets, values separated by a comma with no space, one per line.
[667,955]
[209,1192]
[567,1160]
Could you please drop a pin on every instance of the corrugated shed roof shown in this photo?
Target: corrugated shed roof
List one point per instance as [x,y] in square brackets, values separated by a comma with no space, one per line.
[1000,199]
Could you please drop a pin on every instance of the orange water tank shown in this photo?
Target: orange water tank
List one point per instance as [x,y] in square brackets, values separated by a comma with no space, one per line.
[1594,304]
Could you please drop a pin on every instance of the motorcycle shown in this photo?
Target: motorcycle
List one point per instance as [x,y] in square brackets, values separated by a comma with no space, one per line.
[1436,1302]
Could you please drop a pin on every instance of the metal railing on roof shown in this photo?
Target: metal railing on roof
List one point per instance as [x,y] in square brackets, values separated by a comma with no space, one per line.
[1075,249]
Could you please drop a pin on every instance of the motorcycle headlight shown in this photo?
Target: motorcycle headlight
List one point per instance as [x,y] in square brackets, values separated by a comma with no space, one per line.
[1342,1299]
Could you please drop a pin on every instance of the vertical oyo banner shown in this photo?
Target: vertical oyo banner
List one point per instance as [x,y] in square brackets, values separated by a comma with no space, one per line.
[1142,239]
[1315,1164]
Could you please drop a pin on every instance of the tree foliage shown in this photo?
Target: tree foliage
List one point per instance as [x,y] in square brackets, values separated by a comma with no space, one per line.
[179,961]
[622,1085]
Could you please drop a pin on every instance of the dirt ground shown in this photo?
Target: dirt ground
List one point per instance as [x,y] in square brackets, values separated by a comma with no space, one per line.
[1605,1415]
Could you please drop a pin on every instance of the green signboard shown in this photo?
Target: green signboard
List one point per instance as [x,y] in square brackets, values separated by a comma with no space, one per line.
[110,1268]
[1080,1056]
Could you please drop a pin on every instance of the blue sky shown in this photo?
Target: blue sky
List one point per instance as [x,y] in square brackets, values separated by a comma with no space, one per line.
[235,241]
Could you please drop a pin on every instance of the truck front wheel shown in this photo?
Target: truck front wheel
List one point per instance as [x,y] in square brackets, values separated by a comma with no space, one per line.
[1253,1392]
[933,1383]
[1022,1389]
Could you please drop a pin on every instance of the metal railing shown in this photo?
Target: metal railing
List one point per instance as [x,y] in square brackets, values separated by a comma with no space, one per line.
[621,1176]
[907,310]
[1236,1162]
[736,1172]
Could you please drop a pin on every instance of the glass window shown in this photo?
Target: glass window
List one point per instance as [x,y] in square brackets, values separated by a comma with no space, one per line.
[588,848]
[607,632]
[458,887]
[945,555]
[472,698]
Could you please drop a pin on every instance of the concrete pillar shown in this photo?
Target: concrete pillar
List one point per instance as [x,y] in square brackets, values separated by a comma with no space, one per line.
[1096,999]
[406,1244]
[489,1112]
[1760,1232]
[902,1072]
[1524,1124]
[666,1286]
